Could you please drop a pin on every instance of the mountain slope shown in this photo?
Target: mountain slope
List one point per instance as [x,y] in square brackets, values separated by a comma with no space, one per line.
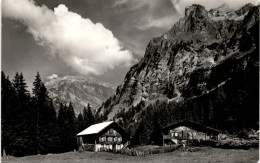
[211,54]
[81,91]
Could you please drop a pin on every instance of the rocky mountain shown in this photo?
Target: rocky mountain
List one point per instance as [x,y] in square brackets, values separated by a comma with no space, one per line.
[80,90]
[208,59]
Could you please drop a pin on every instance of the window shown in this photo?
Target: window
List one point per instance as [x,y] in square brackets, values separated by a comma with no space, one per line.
[110,139]
[102,139]
[119,139]
[115,138]
[176,134]
[111,131]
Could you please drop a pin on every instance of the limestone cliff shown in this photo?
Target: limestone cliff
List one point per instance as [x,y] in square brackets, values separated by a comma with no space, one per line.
[205,53]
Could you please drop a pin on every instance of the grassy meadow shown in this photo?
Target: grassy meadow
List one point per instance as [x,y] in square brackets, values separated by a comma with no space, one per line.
[182,155]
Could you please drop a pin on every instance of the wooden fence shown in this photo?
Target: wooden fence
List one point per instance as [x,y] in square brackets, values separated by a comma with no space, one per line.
[159,150]
[88,147]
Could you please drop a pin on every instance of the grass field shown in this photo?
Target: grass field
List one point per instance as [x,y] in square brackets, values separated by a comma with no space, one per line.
[193,155]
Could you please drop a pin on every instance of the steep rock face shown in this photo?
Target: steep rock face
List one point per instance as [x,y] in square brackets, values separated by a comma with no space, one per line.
[81,91]
[201,53]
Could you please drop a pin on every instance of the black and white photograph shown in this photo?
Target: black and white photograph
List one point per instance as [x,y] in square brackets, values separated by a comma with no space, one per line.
[121,81]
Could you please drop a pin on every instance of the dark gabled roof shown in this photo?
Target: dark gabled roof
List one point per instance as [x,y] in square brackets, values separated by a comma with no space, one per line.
[193,125]
[118,128]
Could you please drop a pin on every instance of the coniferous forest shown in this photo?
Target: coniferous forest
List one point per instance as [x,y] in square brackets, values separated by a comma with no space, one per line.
[30,123]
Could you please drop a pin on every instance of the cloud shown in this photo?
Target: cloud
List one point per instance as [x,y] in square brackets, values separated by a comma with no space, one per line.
[156,13]
[180,5]
[158,23]
[51,77]
[131,5]
[85,46]
[152,13]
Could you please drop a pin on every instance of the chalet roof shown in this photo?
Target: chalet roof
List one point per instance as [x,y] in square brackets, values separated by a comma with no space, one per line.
[193,125]
[95,129]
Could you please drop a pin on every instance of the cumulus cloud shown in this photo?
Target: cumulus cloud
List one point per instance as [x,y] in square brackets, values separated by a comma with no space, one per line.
[51,77]
[180,5]
[85,46]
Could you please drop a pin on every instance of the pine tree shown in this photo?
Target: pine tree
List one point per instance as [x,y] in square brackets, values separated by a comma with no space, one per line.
[67,127]
[52,113]
[62,123]
[18,104]
[71,120]
[39,105]
[156,133]
[37,85]
[71,114]
[90,116]
[46,123]
[8,101]
[85,117]
[80,124]
[61,116]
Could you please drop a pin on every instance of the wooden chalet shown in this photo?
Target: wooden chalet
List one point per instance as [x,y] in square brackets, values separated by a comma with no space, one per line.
[103,136]
[185,130]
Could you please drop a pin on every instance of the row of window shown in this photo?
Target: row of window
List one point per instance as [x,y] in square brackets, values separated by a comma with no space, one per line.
[188,135]
[111,131]
[110,139]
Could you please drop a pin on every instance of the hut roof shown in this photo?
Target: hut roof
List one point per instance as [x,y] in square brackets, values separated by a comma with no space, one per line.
[95,129]
[100,128]
[193,125]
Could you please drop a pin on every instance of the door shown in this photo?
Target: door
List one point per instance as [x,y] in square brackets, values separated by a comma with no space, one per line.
[114,147]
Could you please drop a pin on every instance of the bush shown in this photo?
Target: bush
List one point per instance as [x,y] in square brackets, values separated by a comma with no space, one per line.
[229,143]
[159,150]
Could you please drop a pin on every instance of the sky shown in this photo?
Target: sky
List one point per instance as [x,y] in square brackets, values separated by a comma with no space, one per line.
[98,38]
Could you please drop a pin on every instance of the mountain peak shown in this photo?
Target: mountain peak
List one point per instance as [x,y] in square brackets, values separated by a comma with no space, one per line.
[195,9]
[245,9]
[80,90]
[199,57]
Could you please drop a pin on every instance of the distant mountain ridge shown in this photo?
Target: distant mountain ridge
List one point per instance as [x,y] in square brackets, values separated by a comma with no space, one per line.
[210,55]
[80,90]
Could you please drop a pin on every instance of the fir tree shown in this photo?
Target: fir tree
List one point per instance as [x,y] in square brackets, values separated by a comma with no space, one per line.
[37,85]
[90,116]
[8,103]
[62,123]
[80,124]
[61,116]
[85,117]
[67,126]
[46,124]
[17,116]
[71,119]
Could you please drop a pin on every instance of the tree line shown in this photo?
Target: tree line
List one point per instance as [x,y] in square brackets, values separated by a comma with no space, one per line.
[30,124]
[145,125]
[232,108]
